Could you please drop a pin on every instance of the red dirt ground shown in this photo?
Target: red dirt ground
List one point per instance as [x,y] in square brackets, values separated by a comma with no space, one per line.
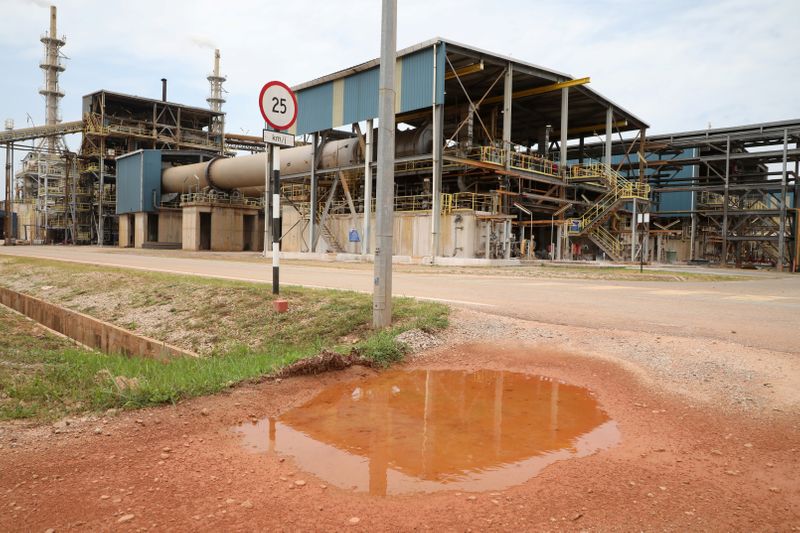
[680,467]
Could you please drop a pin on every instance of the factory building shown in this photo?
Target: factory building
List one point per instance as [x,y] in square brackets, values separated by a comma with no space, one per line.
[497,159]
[481,170]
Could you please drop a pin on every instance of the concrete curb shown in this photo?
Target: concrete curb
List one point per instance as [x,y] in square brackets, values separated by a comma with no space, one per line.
[88,331]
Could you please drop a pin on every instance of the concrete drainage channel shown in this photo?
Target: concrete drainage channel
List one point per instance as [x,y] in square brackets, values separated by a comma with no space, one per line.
[88,331]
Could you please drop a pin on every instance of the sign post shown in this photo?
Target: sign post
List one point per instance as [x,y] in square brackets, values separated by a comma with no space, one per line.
[278,105]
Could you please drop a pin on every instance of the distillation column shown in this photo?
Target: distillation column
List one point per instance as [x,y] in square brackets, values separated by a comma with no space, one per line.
[215,100]
[52,67]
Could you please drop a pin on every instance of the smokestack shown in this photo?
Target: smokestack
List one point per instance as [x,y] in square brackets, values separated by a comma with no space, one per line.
[163,89]
[53,22]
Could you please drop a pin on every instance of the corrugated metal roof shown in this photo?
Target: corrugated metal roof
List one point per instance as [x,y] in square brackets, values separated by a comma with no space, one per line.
[416,82]
[143,100]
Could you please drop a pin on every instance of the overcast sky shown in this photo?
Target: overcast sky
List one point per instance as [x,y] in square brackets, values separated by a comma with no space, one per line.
[678,64]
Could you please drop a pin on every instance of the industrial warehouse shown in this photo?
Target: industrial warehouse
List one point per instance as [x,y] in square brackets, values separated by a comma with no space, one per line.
[496,159]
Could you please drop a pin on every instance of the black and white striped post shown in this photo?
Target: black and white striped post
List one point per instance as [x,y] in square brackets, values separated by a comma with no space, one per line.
[276,217]
[278,105]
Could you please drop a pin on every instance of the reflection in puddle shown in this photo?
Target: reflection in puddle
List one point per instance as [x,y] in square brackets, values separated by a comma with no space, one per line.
[427,430]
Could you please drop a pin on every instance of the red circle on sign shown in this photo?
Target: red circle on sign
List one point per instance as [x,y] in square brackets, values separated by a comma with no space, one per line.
[264,89]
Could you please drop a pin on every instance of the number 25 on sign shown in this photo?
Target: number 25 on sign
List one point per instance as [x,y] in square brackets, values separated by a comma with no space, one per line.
[278,105]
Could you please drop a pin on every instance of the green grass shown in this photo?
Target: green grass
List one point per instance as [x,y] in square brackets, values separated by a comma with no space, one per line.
[43,376]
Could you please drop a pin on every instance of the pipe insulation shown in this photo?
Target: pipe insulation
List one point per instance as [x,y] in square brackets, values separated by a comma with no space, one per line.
[246,173]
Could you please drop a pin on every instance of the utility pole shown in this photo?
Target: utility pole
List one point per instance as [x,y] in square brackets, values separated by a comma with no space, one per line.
[384,210]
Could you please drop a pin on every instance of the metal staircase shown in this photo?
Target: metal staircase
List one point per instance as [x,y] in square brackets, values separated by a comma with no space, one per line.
[300,204]
[607,242]
[620,190]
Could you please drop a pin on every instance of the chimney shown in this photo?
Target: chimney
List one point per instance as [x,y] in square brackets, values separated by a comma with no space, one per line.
[163,89]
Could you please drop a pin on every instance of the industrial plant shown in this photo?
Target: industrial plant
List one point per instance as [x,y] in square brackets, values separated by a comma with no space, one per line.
[497,161]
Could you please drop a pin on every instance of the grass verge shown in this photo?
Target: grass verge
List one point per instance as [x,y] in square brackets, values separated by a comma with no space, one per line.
[230,323]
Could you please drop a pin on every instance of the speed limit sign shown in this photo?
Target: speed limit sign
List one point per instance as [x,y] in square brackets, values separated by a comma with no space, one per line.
[278,105]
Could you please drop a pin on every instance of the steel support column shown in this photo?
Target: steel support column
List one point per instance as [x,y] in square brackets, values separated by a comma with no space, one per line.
[564,126]
[634,224]
[609,133]
[8,223]
[101,223]
[436,207]
[508,92]
[368,146]
[313,229]
[782,227]
[562,167]
[724,255]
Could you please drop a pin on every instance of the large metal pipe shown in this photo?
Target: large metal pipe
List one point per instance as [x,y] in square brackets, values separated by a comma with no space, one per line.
[246,173]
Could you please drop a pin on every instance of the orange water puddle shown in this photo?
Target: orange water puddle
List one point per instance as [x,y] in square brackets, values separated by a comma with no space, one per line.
[428,430]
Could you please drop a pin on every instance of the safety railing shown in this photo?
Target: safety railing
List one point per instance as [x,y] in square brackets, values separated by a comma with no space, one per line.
[619,188]
[606,240]
[519,161]
[612,179]
[468,201]
[297,192]
[219,198]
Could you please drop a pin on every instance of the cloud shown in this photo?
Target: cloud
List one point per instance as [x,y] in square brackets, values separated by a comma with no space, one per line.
[202,42]
[39,3]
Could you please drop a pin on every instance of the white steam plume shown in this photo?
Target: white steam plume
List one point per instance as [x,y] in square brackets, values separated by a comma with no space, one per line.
[202,42]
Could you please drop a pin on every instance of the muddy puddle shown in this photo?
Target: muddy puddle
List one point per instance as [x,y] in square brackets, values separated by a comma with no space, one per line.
[428,430]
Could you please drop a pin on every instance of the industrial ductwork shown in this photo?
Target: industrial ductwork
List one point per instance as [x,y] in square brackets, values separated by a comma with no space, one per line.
[247,173]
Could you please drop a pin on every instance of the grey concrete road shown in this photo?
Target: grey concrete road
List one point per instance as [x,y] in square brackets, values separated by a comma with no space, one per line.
[763,311]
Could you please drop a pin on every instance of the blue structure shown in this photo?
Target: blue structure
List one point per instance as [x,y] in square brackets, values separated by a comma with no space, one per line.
[139,181]
[340,98]
[3,223]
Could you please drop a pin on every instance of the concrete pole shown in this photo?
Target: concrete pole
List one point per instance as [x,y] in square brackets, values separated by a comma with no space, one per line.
[508,88]
[368,147]
[609,133]
[313,201]
[782,230]
[724,255]
[384,210]
[436,207]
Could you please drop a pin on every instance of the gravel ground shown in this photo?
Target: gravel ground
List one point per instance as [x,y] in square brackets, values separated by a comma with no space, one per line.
[726,375]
